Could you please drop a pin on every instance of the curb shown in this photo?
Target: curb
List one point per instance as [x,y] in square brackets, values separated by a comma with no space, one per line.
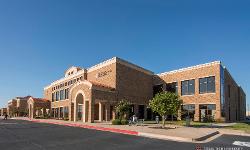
[203,138]
[165,137]
[129,132]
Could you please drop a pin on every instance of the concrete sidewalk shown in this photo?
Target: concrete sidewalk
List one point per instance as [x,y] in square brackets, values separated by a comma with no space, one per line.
[172,132]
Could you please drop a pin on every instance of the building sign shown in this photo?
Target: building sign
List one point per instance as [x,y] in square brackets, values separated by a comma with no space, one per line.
[102,74]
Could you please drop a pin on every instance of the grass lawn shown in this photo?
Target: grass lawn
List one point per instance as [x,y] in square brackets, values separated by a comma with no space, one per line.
[181,123]
[241,126]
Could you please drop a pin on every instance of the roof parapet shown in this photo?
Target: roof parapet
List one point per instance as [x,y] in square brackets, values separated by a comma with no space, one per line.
[190,68]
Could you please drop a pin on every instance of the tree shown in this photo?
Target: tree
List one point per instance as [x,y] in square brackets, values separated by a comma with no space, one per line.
[165,103]
[122,108]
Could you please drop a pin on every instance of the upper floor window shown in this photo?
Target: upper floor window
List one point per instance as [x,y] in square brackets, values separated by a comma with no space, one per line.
[57,95]
[157,89]
[52,96]
[61,94]
[66,91]
[172,87]
[188,87]
[207,85]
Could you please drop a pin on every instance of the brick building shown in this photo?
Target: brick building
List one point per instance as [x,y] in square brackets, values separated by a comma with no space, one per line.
[12,108]
[38,107]
[3,111]
[91,94]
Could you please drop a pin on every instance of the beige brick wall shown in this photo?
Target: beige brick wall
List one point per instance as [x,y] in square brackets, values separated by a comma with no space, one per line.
[196,73]
[105,75]
[235,101]
[133,85]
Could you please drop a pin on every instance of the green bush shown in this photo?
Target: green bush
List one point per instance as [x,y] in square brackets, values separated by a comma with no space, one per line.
[66,119]
[124,122]
[116,122]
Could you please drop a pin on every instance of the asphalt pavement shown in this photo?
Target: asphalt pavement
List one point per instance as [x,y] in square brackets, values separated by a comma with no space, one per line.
[25,135]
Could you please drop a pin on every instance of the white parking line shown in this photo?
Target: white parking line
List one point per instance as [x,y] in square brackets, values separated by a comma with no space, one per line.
[239,143]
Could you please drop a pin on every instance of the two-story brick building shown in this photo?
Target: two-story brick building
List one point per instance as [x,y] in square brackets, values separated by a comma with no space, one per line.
[91,94]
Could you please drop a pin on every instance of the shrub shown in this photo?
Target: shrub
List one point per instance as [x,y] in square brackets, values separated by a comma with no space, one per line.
[124,122]
[116,122]
[66,119]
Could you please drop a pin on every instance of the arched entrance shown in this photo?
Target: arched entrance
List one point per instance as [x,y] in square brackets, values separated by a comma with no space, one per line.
[80,107]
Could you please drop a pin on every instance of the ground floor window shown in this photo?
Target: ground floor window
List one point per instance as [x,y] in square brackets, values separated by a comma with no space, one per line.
[188,110]
[141,111]
[61,112]
[207,112]
[66,112]
[79,112]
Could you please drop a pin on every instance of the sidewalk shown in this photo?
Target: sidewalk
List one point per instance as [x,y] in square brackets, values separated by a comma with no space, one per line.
[183,134]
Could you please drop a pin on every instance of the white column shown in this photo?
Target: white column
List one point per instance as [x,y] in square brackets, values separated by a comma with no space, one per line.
[75,112]
[85,111]
[100,111]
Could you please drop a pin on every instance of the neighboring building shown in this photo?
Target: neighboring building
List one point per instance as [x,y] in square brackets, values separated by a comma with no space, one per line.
[91,94]
[22,107]
[3,111]
[12,108]
[38,107]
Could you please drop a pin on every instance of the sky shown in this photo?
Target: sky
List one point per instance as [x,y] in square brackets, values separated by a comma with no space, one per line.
[40,39]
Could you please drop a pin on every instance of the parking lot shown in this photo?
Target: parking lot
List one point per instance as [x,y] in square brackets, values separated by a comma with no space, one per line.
[17,134]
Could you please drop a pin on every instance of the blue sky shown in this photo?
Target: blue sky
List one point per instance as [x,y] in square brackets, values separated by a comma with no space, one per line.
[40,39]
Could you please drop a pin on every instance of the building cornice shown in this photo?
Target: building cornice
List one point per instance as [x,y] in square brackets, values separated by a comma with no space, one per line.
[190,68]
[120,61]
[66,78]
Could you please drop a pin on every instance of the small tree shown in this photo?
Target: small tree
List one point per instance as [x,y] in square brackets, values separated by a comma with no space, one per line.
[165,103]
[122,108]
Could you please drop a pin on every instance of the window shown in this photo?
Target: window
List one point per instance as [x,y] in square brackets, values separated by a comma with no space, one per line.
[61,94]
[157,89]
[66,112]
[66,93]
[81,78]
[57,95]
[207,85]
[52,96]
[172,87]
[188,110]
[187,87]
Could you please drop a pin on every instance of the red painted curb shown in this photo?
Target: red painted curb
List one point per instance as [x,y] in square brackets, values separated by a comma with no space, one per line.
[129,132]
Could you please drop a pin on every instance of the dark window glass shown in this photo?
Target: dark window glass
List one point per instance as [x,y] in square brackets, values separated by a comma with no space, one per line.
[157,89]
[172,87]
[188,87]
[66,93]
[61,94]
[211,84]
[57,95]
[191,87]
[207,85]
[52,97]
[203,85]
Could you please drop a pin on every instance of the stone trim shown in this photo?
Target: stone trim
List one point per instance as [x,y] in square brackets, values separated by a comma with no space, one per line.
[65,78]
[120,61]
[190,68]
